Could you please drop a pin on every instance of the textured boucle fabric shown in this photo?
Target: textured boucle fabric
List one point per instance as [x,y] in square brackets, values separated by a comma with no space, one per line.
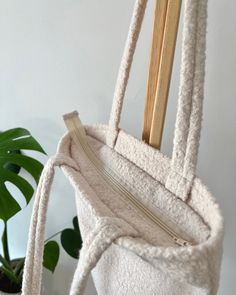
[137,253]
[192,269]
[124,71]
[125,251]
[140,254]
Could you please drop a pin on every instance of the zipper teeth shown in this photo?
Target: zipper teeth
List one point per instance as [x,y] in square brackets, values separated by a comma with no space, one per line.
[113,179]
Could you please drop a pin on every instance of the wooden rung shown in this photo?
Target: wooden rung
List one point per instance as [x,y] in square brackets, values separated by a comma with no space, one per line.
[155,56]
[159,76]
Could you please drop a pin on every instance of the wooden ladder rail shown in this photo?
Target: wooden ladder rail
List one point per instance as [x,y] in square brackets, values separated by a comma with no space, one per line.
[165,28]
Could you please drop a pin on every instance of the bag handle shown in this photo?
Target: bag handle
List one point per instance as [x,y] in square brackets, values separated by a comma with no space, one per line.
[32,275]
[93,247]
[124,70]
[189,111]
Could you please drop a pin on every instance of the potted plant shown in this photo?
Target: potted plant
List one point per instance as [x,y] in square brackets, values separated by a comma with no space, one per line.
[11,161]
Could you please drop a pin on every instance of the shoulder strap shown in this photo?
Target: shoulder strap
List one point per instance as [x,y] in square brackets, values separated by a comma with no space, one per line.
[32,276]
[191,93]
[124,71]
[104,233]
[189,112]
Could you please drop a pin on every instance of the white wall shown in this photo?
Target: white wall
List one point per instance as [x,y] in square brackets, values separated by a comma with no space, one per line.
[61,55]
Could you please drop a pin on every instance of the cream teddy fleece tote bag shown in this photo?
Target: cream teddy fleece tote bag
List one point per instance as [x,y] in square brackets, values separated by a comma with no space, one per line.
[149,225]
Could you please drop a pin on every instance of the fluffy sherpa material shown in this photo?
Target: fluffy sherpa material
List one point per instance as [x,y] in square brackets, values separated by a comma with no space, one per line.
[150,260]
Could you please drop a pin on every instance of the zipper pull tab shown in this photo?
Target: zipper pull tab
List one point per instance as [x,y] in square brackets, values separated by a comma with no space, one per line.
[181,242]
[74,124]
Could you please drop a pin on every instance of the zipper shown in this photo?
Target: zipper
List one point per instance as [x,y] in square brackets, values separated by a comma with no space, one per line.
[78,134]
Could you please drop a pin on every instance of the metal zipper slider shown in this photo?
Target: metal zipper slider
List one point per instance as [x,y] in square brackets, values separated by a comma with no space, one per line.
[181,242]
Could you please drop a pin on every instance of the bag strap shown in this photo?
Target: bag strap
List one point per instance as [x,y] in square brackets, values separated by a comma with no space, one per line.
[124,70]
[104,233]
[191,93]
[34,255]
[189,111]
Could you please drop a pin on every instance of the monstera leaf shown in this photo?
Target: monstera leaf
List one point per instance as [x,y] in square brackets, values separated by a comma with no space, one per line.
[11,160]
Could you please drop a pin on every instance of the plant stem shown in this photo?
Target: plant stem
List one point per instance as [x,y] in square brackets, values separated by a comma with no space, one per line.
[10,274]
[5,263]
[5,243]
[19,266]
[8,271]
[48,239]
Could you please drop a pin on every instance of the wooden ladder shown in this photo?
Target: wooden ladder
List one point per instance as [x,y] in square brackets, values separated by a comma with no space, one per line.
[165,28]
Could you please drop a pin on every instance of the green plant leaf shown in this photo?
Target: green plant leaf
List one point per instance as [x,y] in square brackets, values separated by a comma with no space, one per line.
[11,160]
[51,255]
[8,205]
[22,144]
[24,186]
[71,242]
[18,139]
[13,133]
[31,165]
[13,167]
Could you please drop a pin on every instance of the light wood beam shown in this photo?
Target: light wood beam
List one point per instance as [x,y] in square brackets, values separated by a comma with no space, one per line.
[160,76]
